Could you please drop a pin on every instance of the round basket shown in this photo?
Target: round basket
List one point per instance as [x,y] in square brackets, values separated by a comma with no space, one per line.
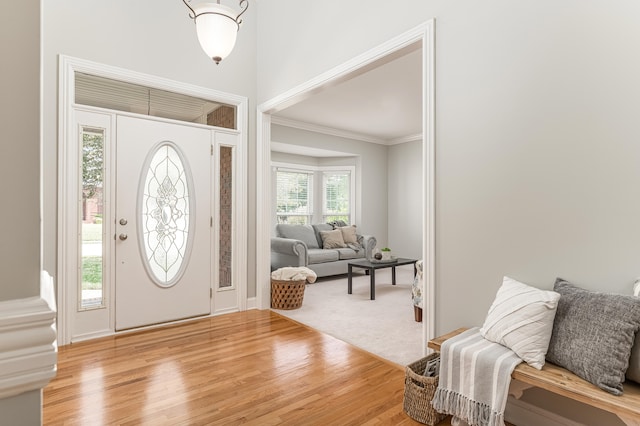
[419,391]
[287,294]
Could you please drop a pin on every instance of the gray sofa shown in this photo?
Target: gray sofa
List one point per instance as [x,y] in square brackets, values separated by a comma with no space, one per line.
[302,245]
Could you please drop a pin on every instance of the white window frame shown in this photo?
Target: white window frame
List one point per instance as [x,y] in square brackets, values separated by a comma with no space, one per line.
[351,170]
[310,191]
[317,213]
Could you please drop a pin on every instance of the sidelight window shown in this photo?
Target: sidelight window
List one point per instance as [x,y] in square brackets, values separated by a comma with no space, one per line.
[92,239]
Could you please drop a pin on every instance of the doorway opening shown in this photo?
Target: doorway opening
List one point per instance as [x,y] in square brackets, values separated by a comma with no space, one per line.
[424,35]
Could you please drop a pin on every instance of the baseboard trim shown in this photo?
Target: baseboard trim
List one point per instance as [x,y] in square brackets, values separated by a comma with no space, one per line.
[28,348]
[252,303]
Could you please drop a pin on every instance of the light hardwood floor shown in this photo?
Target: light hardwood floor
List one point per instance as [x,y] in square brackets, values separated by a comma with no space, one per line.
[253,367]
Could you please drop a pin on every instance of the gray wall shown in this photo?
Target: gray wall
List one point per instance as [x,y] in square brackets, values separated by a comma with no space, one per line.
[371,172]
[405,199]
[536,132]
[20,152]
[20,176]
[22,410]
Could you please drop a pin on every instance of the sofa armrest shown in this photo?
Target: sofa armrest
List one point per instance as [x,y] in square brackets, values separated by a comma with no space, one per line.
[369,243]
[287,252]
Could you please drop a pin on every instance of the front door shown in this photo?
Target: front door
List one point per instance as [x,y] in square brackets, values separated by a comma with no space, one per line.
[163,215]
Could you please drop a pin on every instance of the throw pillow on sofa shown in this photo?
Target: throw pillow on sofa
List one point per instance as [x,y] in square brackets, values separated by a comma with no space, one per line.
[349,234]
[332,239]
[593,334]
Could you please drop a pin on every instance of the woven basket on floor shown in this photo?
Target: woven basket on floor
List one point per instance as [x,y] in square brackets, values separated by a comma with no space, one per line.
[287,294]
[419,391]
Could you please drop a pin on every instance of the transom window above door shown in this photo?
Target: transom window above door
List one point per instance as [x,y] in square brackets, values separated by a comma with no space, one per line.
[123,96]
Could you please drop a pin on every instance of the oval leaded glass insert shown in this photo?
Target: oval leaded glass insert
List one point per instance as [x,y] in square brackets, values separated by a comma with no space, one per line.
[166,209]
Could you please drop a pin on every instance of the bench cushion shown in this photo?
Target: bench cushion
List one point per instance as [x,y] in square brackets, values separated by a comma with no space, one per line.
[593,334]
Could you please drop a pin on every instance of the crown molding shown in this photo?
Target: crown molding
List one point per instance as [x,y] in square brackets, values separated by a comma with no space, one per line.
[325,130]
[332,131]
[405,139]
[28,348]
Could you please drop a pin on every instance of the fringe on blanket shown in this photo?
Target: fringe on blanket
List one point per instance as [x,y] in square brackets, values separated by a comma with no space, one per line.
[472,412]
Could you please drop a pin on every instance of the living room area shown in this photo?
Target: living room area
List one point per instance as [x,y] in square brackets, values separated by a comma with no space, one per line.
[352,155]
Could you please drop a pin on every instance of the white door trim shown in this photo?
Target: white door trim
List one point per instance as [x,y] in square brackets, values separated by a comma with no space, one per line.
[67,238]
[423,33]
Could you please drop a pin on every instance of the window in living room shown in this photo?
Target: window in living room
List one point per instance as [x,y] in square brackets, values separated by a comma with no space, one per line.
[336,194]
[308,194]
[294,195]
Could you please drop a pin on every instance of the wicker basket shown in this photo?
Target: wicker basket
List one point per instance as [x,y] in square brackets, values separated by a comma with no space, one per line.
[419,391]
[287,294]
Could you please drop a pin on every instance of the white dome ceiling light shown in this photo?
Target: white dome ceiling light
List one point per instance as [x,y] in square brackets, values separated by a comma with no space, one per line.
[217,27]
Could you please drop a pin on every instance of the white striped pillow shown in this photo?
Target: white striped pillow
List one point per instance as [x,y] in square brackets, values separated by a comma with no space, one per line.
[521,318]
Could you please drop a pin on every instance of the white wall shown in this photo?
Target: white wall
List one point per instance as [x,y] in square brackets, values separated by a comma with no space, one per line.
[371,172]
[148,36]
[405,199]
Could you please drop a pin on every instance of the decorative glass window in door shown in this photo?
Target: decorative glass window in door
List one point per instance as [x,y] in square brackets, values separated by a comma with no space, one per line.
[91,228]
[226,216]
[166,214]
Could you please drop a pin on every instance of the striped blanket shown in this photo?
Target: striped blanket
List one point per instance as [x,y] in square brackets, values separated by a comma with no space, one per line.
[475,374]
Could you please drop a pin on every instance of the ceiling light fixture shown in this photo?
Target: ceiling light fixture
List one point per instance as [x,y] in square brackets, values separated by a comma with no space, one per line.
[217,27]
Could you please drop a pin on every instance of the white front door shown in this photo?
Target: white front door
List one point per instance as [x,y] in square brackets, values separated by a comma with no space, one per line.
[163,214]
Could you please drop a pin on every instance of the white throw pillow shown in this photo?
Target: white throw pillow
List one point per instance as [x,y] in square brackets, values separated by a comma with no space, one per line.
[521,318]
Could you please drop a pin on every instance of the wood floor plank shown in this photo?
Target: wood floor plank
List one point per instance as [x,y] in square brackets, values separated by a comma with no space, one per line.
[253,367]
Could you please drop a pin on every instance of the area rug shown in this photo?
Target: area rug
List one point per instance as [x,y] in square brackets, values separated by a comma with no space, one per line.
[384,326]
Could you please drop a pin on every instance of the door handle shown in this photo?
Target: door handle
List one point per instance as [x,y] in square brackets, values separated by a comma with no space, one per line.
[123,237]
[123,221]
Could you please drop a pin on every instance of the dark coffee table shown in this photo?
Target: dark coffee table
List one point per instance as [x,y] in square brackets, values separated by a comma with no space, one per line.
[371,269]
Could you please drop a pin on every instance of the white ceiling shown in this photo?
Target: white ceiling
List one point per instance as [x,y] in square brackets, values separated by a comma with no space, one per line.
[382,105]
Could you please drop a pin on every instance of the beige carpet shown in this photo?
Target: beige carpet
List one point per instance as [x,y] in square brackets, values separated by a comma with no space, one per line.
[385,326]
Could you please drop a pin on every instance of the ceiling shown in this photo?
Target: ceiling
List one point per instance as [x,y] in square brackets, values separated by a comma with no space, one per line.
[382,105]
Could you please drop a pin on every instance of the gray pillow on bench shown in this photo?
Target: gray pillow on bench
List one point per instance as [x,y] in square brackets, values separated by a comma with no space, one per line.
[633,373]
[593,334]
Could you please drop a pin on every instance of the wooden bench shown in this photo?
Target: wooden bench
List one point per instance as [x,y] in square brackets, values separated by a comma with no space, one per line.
[562,382]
